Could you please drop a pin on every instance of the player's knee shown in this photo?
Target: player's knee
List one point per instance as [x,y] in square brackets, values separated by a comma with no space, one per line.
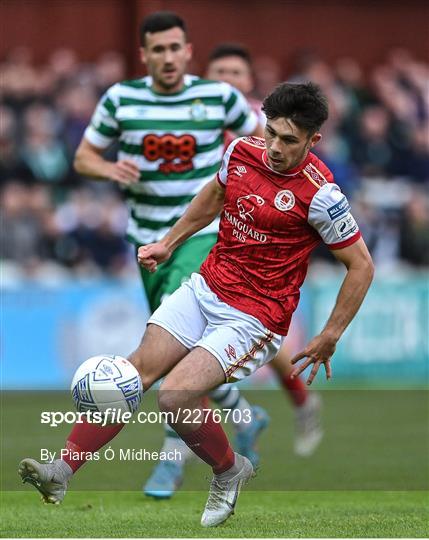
[169,401]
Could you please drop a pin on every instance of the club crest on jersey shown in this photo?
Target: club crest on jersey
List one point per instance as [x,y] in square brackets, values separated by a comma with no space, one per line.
[284,200]
[198,111]
[247,204]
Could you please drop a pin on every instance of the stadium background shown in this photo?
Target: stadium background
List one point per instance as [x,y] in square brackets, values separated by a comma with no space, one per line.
[68,278]
[70,289]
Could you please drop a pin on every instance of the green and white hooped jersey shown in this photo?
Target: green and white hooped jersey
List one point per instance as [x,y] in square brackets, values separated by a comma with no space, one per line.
[177,140]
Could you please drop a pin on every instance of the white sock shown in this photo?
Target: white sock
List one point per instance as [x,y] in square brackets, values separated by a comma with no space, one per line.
[228,396]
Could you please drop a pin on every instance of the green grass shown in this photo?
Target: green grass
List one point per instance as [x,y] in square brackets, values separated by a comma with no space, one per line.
[269,514]
[368,478]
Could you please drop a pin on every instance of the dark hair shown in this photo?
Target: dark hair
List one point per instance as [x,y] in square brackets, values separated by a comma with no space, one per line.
[304,104]
[158,22]
[230,49]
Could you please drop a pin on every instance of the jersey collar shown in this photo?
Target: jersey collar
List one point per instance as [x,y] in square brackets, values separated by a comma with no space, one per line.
[291,172]
[187,82]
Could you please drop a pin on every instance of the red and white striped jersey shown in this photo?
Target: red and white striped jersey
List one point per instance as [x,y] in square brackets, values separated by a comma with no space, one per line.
[269,225]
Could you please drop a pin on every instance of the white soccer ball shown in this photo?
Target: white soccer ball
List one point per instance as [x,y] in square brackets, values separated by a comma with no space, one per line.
[107,382]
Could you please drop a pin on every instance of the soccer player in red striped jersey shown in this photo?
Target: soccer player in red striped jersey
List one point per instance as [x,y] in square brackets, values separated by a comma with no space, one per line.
[277,203]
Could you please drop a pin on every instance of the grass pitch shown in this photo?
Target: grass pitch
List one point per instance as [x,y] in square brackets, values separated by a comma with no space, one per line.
[268,514]
[369,477]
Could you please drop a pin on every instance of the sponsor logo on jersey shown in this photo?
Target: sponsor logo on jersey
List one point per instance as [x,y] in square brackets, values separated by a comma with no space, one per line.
[198,111]
[243,230]
[345,226]
[240,170]
[175,153]
[340,208]
[246,205]
[284,200]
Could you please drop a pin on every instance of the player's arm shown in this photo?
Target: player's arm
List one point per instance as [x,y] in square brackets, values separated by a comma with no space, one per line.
[101,132]
[203,209]
[240,118]
[89,161]
[360,271]
[258,131]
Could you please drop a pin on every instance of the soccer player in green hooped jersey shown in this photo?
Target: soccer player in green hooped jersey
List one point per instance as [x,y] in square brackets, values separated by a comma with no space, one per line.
[170,127]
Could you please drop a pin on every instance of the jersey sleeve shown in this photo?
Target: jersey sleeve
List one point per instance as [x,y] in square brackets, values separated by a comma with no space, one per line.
[239,116]
[329,213]
[222,175]
[104,127]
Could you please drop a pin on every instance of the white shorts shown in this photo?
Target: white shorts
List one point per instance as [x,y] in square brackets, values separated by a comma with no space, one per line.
[196,317]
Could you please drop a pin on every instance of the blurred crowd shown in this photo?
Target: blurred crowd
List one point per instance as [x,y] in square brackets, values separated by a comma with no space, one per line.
[56,224]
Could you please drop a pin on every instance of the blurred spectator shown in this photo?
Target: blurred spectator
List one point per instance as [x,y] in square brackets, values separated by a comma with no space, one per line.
[11,164]
[414,231]
[53,222]
[232,63]
[18,77]
[417,166]
[335,152]
[109,69]
[93,231]
[75,102]
[22,226]
[42,151]
[64,66]
[268,74]
[350,77]
[371,150]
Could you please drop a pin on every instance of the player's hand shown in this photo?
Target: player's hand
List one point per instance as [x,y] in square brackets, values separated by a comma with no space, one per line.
[124,171]
[151,255]
[319,351]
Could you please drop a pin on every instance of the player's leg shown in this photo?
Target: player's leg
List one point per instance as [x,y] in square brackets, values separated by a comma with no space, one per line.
[200,371]
[307,405]
[229,398]
[167,475]
[157,353]
[182,395]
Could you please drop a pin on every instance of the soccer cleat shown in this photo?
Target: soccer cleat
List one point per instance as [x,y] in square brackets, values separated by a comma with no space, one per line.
[165,479]
[245,440]
[224,491]
[50,479]
[308,430]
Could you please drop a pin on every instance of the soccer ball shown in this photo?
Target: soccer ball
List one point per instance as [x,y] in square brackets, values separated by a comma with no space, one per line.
[107,382]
